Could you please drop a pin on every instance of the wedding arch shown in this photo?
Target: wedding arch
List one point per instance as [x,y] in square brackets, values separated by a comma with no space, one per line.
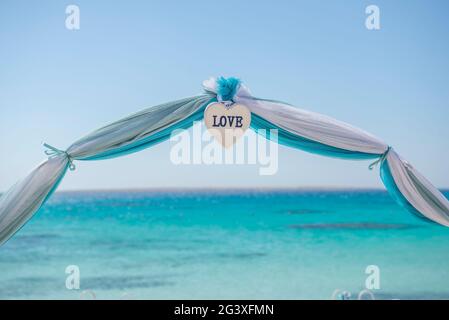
[297,128]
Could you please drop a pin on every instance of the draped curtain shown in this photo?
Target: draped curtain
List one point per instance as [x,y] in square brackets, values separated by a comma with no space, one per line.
[308,131]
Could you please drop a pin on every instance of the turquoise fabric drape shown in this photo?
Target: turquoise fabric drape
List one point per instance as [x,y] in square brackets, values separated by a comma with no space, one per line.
[298,142]
[291,140]
[153,139]
[131,134]
[390,185]
[296,128]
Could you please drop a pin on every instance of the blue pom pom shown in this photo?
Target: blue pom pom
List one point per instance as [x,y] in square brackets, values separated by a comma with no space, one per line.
[227,88]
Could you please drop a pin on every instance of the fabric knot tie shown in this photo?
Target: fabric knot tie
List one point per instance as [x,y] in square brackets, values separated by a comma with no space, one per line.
[52,152]
[227,88]
[380,159]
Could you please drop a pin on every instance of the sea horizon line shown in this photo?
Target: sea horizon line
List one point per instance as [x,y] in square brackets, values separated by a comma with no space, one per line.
[229,189]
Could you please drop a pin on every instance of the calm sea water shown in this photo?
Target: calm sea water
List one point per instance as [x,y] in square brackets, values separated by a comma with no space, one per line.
[234,244]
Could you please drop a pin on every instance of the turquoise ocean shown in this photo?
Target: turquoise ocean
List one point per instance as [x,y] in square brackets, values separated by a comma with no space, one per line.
[217,244]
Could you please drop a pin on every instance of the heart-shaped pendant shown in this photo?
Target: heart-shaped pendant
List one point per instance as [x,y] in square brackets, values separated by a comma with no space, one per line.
[227,124]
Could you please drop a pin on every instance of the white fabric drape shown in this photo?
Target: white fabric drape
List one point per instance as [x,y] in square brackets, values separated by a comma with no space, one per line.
[417,190]
[155,124]
[135,129]
[420,194]
[310,125]
[127,135]
[19,204]
[315,126]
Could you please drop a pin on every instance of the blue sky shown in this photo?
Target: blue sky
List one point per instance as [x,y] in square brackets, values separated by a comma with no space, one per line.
[57,85]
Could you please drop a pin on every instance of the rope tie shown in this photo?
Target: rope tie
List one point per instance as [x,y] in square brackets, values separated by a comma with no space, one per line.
[380,159]
[52,152]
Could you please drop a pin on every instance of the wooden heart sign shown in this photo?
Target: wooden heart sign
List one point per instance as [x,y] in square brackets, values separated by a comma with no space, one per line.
[227,123]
